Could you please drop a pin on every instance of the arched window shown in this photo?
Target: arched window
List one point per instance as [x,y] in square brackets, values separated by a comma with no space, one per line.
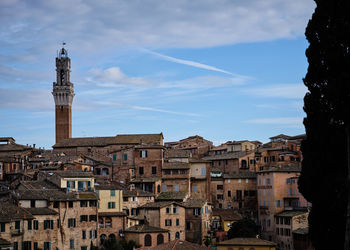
[177,236]
[160,239]
[112,237]
[148,240]
[158,189]
[103,238]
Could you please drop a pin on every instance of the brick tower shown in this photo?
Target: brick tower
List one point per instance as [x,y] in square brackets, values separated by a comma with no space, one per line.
[63,93]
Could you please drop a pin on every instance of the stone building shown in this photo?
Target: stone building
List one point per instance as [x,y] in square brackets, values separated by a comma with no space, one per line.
[169,215]
[196,146]
[146,235]
[200,179]
[176,177]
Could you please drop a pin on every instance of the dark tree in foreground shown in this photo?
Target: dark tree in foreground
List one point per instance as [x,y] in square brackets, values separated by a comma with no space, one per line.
[323,180]
[243,228]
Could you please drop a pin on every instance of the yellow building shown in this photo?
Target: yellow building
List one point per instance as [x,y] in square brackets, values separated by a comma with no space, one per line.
[246,244]
[73,180]
[224,218]
[111,198]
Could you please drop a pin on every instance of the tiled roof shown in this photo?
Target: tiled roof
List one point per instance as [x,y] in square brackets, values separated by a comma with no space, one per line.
[177,245]
[177,153]
[41,211]
[147,179]
[227,156]
[241,175]
[283,136]
[112,186]
[301,231]
[4,243]
[226,214]
[145,229]
[74,174]
[192,203]
[291,213]
[282,168]
[246,242]
[13,147]
[110,140]
[44,194]
[10,212]
[136,192]
[159,204]
[172,195]
[176,165]
[37,185]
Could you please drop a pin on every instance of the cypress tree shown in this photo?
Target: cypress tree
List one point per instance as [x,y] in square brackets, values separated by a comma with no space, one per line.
[324,176]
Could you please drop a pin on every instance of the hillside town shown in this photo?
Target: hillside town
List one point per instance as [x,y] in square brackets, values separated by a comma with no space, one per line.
[85,192]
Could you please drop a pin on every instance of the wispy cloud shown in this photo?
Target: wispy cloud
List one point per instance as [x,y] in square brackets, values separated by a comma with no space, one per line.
[188,62]
[136,107]
[290,91]
[296,122]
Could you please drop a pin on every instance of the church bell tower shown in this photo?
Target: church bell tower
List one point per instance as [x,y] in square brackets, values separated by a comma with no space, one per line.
[63,93]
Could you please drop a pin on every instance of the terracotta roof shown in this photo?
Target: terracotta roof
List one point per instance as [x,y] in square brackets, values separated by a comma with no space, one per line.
[176,165]
[283,136]
[226,214]
[177,245]
[177,153]
[136,192]
[41,211]
[171,196]
[13,147]
[159,204]
[110,140]
[145,229]
[246,242]
[37,185]
[291,213]
[44,194]
[10,212]
[74,174]
[147,179]
[301,231]
[227,156]
[111,186]
[4,243]
[194,203]
[241,175]
[282,168]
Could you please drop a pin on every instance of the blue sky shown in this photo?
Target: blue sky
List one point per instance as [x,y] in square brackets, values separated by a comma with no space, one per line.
[225,69]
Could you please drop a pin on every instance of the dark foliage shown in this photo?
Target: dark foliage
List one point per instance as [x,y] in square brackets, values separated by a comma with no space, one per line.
[113,244]
[327,105]
[243,228]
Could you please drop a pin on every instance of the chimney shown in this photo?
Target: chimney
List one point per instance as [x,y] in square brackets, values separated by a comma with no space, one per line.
[34,145]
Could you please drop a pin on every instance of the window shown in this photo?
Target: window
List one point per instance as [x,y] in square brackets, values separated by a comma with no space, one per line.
[111,205]
[272,158]
[114,157]
[70,185]
[71,244]
[83,203]
[229,205]
[219,187]
[167,172]
[246,180]
[154,170]
[125,157]
[278,203]
[47,245]
[17,224]
[36,225]
[175,210]
[148,239]
[92,203]
[35,245]
[93,234]
[229,193]
[160,239]
[203,171]
[58,223]
[268,181]
[84,248]
[141,170]
[32,203]
[239,180]
[168,210]
[143,153]
[15,245]
[206,209]
[196,211]
[188,225]
[277,231]
[176,188]
[92,218]
[266,159]
[164,188]
[125,199]
[71,222]
[168,222]
[83,218]
[112,192]
[220,197]
[177,222]
[287,221]
[29,225]
[194,188]
[83,234]
[70,204]
[177,235]
[3,227]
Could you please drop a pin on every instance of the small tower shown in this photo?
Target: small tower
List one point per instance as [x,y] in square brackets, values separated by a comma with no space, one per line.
[63,93]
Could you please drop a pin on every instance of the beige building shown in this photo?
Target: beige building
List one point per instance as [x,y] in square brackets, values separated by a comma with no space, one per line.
[146,236]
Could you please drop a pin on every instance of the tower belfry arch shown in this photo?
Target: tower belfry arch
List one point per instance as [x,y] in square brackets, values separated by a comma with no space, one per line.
[63,93]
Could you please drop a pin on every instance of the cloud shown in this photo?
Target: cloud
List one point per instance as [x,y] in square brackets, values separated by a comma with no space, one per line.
[94,26]
[187,62]
[143,108]
[295,122]
[289,91]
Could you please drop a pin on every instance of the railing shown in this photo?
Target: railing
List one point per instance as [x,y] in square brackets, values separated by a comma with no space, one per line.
[16,232]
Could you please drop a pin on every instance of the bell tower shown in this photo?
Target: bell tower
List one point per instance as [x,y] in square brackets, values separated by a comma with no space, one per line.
[63,93]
